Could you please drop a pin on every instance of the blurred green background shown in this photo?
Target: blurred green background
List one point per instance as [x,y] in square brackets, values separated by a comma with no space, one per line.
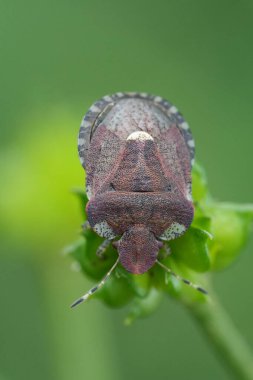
[57,57]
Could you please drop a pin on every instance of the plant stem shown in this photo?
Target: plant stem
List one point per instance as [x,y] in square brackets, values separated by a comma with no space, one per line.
[224,337]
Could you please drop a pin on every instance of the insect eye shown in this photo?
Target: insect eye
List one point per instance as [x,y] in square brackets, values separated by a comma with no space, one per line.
[168,187]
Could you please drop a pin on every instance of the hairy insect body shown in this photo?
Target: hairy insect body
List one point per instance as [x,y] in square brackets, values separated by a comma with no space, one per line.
[137,151]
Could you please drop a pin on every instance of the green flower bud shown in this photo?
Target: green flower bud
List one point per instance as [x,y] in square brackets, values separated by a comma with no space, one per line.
[231,225]
[199,183]
[191,249]
[84,252]
[117,291]
[143,307]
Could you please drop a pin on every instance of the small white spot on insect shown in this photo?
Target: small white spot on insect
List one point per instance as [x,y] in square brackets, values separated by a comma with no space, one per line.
[189,197]
[81,141]
[191,143]
[88,191]
[173,109]
[139,135]
[144,94]
[192,162]
[85,124]
[94,109]
[175,230]
[131,93]
[158,99]
[184,125]
[120,94]
[103,229]
[107,98]
[81,159]
[189,192]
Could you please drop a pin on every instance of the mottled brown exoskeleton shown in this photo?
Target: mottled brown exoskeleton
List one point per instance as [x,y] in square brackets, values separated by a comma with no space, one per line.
[137,151]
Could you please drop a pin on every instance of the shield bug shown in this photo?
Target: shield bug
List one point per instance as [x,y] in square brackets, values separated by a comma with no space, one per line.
[137,151]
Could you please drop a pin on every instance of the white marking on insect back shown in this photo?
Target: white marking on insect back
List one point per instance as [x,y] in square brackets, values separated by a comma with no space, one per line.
[85,124]
[184,125]
[94,109]
[107,98]
[88,191]
[103,229]
[139,135]
[191,143]
[189,197]
[119,94]
[133,94]
[158,99]
[173,109]
[81,141]
[173,231]
[189,192]
[144,94]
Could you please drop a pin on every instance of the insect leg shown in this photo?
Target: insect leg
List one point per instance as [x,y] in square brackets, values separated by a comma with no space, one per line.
[102,248]
[166,252]
[187,282]
[86,226]
[96,287]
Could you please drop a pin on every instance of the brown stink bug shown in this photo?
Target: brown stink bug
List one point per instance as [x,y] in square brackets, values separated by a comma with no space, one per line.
[137,151]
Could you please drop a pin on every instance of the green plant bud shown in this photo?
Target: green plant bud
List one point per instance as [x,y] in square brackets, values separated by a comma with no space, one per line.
[199,183]
[143,307]
[191,249]
[117,292]
[164,280]
[172,286]
[158,276]
[231,225]
[141,284]
[202,221]
[84,252]
[178,289]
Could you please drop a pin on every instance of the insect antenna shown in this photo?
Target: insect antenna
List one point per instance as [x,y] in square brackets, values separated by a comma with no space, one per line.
[187,282]
[96,287]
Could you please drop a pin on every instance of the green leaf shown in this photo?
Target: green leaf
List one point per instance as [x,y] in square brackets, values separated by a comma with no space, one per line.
[177,288]
[172,285]
[191,249]
[141,284]
[116,292]
[76,249]
[202,222]
[82,198]
[143,307]
[84,252]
